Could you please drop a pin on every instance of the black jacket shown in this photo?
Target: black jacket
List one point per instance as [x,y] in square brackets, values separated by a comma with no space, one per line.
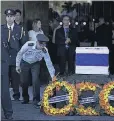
[104,35]
[9,49]
[60,40]
[24,33]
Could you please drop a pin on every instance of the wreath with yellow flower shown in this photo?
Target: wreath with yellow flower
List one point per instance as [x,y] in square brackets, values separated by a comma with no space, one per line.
[104,98]
[87,87]
[72,96]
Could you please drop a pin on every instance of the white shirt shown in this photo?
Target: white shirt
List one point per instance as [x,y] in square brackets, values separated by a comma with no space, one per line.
[12,26]
[31,55]
[32,34]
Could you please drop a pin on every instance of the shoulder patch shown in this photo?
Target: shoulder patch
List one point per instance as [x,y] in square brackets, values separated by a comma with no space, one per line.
[30,44]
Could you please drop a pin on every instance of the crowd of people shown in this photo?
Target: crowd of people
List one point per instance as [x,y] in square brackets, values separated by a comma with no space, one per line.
[22,52]
[96,32]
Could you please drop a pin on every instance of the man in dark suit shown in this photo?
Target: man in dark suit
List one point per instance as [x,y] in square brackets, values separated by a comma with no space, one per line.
[104,38]
[103,34]
[5,95]
[24,32]
[66,39]
[11,36]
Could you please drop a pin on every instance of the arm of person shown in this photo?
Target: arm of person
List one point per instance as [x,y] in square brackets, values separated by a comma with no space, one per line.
[59,38]
[74,38]
[53,39]
[20,54]
[49,63]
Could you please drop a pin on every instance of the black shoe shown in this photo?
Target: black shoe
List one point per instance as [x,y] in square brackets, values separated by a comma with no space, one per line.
[9,117]
[16,96]
[16,99]
[25,102]
[37,104]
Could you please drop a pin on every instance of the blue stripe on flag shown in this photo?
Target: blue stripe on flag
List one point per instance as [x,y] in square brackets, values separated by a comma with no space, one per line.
[88,59]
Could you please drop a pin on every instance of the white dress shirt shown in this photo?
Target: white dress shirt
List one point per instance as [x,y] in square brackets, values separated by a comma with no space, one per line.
[32,34]
[12,26]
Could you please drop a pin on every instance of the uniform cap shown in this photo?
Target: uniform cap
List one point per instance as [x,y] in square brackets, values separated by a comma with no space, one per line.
[10,12]
[42,38]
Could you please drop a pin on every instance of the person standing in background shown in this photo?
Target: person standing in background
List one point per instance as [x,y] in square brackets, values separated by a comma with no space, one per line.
[36,29]
[110,44]
[91,33]
[24,32]
[66,39]
[52,47]
[101,35]
[104,37]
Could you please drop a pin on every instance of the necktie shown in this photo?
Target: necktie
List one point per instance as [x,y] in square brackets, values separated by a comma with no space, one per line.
[9,35]
[67,35]
[67,32]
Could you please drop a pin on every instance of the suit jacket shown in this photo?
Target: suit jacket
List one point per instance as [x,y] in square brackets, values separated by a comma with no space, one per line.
[10,49]
[104,35]
[60,40]
[24,33]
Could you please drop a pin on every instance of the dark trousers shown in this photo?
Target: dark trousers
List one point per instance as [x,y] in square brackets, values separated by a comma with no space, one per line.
[5,95]
[34,69]
[111,60]
[14,78]
[70,56]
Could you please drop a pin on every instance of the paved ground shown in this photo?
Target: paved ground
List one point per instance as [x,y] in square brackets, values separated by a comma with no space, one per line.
[28,112]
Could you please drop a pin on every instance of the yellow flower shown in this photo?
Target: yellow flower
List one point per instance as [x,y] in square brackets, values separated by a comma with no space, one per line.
[93,88]
[58,83]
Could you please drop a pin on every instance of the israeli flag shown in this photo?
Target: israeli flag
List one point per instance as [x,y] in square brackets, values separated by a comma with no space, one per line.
[92,60]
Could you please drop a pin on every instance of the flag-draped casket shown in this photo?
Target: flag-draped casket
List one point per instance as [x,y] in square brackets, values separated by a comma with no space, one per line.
[92,60]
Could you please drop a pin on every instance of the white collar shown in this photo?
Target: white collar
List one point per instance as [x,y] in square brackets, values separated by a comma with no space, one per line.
[12,26]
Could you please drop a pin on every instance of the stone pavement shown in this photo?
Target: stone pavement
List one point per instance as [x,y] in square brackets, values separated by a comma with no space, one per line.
[28,112]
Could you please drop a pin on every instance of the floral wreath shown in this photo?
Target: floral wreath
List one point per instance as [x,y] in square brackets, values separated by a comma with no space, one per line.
[72,96]
[84,86]
[104,101]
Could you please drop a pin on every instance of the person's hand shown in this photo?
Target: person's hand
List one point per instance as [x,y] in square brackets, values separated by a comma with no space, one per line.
[67,41]
[54,79]
[18,69]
